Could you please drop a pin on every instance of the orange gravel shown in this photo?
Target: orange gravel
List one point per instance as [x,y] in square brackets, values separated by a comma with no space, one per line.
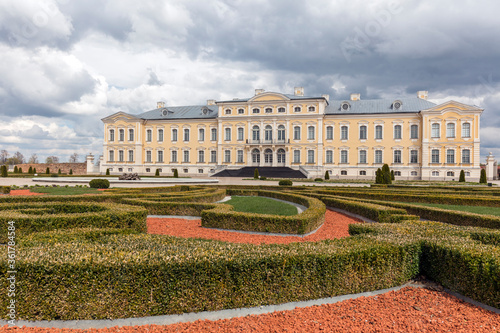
[24,192]
[336,226]
[406,310]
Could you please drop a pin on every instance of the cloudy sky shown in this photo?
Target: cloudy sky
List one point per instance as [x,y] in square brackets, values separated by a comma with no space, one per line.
[67,64]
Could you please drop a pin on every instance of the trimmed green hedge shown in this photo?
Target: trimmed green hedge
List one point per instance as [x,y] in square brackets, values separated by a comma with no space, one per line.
[118,276]
[4,189]
[309,220]
[36,217]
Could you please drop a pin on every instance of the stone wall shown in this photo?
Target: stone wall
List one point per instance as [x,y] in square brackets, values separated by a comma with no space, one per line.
[78,168]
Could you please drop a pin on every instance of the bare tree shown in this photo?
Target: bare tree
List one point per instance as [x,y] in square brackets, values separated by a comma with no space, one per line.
[17,158]
[4,155]
[73,158]
[52,159]
[33,159]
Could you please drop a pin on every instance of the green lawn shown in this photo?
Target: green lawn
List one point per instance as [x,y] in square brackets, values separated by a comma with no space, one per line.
[471,209]
[261,205]
[65,190]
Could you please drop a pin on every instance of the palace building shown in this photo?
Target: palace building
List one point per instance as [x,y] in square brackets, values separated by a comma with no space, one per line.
[312,135]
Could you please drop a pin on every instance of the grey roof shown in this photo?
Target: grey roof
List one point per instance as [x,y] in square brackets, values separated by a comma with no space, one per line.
[182,112]
[409,105]
[292,97]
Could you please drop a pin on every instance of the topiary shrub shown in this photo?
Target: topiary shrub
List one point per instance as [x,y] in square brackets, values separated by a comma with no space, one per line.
[15,169]
[47,171]
[256,174]
[30,170]
[285,182]
[386,174]
[99,183]
[379,179]
[54,175]
[327,175]
[263,178]
[20,170]
[461,179]
[107,172]
[70,171]
[176,173]
[3,171]
[34,170]
[318,179]
[59,171]
[392,175]
[482,179]
[157,173]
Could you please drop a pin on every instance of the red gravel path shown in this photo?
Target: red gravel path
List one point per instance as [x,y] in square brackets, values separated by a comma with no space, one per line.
[24,192]
[336,226]
[406,310]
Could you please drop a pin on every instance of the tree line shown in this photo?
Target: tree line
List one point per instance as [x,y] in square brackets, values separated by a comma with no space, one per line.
[18,158]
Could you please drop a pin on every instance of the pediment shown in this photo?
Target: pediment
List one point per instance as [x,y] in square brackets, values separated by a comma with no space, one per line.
[453,106]
[269,96]
[119,116]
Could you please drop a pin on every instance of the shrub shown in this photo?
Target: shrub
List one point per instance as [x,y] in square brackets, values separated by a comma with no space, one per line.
[70,171]
[318,179]
[5,189]
[392,175]
[30,170]
[256,174]
[107,172]
[386,174]
[99,183]
[285,182]
[157,173]
[176,173]
[15,169]
[59,171]
[379,179]
[482,179]
[34,170]
[47,171]
[3,171]
[263,178]
[54,175]
[327,175]
[462,176]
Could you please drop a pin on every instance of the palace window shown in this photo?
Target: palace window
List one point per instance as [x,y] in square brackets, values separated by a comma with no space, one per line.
[174,135]
[240,134]
[227,156]
[111,155]
[312,109]
[112,135]
[241,111]
[281,156]
[268,133]
[214,134]
[130,135]
[329,132]
[160,155]
[160,135]
[343,172]
[466,156]
[378,132]
[310,156]
[201,156]
[413,156]
[435,156]
[397,156]
[466,130]
[173,156]
[186,134]
[201,134]
[343,157]
[435,173]
[414,132]
[362,173]
[450,156]
[297,109]
[435,129]
[120,156]
[186,156]
[256,156]
[296,133]
[269,110]
[344,133]
[397,132]
[450,130]
[378,156]
[362,156]
[281,110]
[227,136]
[450,174]
[329,156]
[255,133]
[122,135]
[397,173]
[362,132]
[228,111]
[310,133]
[239,156]
[256,110]
[148,156]
[130,155]
[213,156]
[268,156]
[296,156]
[281,133]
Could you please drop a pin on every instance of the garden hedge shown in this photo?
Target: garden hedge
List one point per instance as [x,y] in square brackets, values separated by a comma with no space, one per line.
[4,189]
[309,220]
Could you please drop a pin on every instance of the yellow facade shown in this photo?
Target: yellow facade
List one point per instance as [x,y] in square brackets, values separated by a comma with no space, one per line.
[348,139]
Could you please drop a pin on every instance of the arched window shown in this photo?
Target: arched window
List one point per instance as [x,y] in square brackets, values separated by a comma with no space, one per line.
[149,135]
[281,110]
[344,133]
[228,111]
[466,130]
[255,133]
[130,134]
[378,132]
[297,109]
[268,133]
[362,132]
[312,109]
[450,130]
[269,110]
[160,135]
[256,110]
[296,133]
[329,132]
[414,132]
[281,133]
[256,156]
[397,132]
[174,135]
[111,135]
[268,156]
[310,133]
[281,156]
[435,130]
[186,134]
[122,135]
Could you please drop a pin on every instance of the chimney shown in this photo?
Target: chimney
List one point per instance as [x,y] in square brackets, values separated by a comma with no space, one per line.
[327,97]
[259,91]
[160,105]
[355,97]
[210,101]
[299,91]
[423,94]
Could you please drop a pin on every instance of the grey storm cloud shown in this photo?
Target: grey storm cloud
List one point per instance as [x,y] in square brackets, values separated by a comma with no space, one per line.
[66,59]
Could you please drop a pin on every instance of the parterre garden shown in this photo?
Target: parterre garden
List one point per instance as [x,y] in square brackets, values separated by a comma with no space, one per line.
[89,256]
